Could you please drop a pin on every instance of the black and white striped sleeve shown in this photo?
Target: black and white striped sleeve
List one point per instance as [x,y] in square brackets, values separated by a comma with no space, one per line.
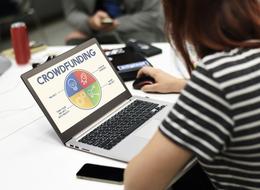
[201,119]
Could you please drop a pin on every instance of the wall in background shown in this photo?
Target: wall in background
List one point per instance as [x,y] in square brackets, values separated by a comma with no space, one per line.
[33,12]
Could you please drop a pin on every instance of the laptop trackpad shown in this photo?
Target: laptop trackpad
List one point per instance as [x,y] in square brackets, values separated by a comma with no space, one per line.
[149,129]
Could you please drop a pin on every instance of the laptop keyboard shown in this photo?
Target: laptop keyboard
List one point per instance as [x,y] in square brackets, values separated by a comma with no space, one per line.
[114,130]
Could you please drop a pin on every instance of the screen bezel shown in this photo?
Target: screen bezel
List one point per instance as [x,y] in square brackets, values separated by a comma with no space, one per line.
[69,133]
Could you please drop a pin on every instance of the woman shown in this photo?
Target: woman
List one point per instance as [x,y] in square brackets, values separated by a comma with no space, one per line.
[216,117]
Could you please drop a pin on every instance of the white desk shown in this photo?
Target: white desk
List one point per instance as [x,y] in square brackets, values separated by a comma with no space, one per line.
[31,154]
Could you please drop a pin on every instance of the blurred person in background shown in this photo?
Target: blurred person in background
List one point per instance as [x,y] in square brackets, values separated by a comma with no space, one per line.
[138,19]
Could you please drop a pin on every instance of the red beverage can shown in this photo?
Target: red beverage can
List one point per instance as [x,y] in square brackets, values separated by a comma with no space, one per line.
[20,42]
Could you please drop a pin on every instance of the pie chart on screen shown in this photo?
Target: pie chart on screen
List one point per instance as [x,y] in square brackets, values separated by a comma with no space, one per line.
[83,89]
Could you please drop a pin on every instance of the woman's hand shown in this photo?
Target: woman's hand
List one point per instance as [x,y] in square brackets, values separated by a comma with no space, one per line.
[164,82]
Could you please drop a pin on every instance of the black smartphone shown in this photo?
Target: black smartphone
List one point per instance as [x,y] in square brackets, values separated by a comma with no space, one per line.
[101,173]
[145,48]
[127,62]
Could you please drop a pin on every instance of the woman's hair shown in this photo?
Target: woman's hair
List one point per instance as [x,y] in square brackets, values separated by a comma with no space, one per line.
[212,25]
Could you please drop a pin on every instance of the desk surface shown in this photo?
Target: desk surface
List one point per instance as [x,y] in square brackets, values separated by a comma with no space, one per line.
[32,156]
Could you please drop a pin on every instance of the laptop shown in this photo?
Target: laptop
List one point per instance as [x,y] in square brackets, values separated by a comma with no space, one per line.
[89,106]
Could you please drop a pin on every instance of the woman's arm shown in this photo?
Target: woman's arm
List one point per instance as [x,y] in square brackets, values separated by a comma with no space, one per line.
[156,165]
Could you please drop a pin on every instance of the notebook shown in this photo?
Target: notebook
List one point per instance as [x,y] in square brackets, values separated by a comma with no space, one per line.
[89,106]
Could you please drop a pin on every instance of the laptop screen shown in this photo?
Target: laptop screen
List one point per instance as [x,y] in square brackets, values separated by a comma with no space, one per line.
[77,86]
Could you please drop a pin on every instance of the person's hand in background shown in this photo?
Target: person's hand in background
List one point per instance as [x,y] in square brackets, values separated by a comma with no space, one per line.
[164,82]
[95,22]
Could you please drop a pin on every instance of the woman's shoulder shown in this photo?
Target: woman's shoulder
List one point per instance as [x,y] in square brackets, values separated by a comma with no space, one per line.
[234,57]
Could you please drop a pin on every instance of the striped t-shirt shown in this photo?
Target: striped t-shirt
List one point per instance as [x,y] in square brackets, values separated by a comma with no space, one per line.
[217,116]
